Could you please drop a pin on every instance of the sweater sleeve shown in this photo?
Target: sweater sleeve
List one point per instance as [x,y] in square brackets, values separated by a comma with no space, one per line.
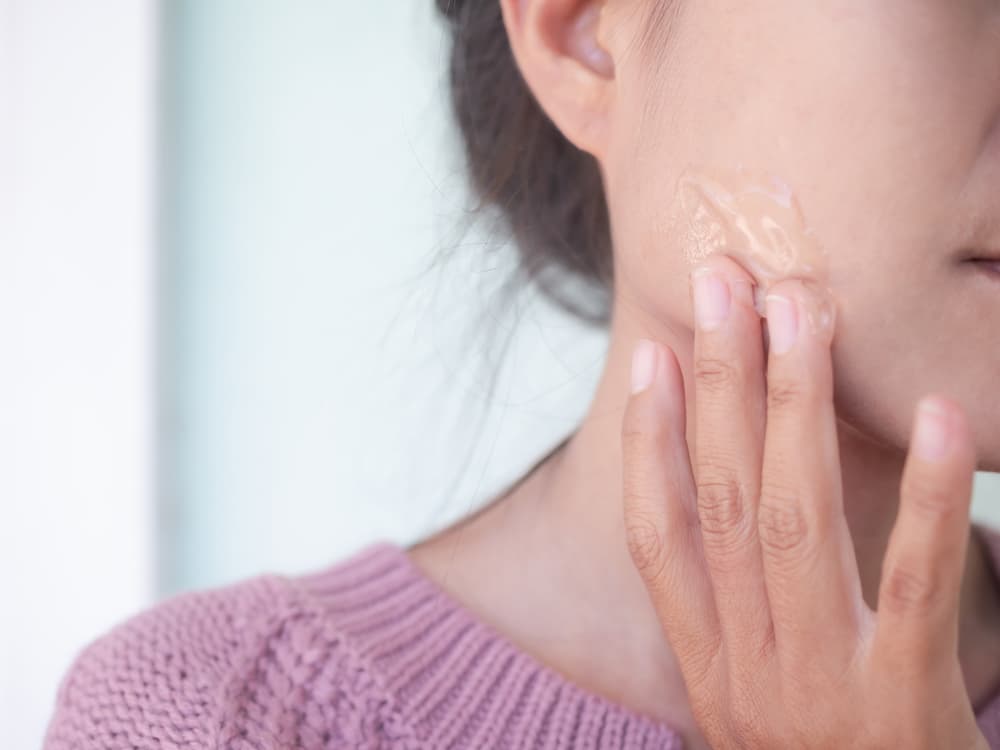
[253,665]
[159,679]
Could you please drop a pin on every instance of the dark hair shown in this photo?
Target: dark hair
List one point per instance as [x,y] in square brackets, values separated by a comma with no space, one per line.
[548,193]
[545,194]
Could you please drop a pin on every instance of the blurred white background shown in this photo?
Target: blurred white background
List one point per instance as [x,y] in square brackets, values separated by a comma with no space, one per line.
[220,355]
[76,304]
[317,387]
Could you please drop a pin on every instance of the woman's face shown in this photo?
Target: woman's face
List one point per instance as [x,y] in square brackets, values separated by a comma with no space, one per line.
[883,119]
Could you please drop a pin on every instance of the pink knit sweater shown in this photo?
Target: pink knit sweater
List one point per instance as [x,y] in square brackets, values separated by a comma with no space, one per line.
[367,653]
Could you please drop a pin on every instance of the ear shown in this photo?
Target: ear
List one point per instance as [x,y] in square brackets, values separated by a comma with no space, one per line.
[557,45]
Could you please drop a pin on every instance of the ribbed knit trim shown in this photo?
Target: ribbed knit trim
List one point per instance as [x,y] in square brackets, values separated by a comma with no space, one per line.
[463,684]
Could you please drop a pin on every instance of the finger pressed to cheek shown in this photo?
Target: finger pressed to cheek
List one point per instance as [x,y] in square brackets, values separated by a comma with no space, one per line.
[752,217]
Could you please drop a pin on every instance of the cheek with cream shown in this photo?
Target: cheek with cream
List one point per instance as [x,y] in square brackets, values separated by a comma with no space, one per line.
[754,218]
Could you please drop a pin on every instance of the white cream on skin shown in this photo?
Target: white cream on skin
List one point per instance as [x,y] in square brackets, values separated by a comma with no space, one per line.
[753,217]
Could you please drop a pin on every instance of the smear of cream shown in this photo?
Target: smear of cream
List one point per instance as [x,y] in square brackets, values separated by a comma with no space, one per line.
[753,217]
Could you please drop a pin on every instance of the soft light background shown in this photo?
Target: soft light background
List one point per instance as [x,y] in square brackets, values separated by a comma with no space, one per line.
[76,375]
[221,355]
[318,388]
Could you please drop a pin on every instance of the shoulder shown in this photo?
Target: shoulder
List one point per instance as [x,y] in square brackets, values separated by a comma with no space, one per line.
[256,663]
[159,679]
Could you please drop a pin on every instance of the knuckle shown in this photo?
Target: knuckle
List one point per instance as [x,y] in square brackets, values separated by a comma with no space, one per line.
[784,394]
[722,509]
[905,592]
[715,375]
[633,434]
[930,500]
[640,434]
[636,496]
[781,525]
[633,450]
[646,545]
[723,517]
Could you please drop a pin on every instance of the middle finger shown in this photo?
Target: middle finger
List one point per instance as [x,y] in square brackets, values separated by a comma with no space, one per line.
[729,435]
[811,572]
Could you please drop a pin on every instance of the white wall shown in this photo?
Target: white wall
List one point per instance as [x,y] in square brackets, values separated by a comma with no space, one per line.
[319,394]
[76,262]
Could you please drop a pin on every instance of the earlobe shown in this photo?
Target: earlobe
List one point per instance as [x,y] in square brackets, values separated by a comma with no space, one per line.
[557,45]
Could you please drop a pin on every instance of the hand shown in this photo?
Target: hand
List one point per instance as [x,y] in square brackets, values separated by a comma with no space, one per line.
[748,558]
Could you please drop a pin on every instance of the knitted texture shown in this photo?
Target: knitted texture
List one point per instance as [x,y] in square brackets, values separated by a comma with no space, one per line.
[366,653]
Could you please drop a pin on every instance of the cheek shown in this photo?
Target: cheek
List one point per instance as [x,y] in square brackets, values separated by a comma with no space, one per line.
[874,113]
[907,329]
[879,130]
[650,268]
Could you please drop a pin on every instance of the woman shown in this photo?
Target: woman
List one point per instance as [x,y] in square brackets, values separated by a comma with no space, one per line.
[699,565]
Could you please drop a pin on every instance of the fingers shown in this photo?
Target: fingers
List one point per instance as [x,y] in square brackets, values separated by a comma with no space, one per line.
[919,594]
[729,434]
[660,521]
[813,587]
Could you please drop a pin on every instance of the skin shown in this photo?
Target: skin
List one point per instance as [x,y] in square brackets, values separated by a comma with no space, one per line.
[883,118]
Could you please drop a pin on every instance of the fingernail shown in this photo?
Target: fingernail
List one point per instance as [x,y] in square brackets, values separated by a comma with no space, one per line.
[644,361]
[932,436]
[711,299]
[782,323]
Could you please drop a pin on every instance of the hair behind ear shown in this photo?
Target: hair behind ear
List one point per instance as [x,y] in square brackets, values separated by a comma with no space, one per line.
[549,193]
